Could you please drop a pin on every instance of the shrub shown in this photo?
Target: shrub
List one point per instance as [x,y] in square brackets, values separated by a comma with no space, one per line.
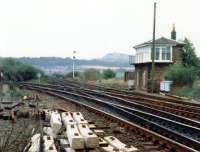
[181,75]
[108,74]
[91,74]
[70,74]
[14,70]
[58,75]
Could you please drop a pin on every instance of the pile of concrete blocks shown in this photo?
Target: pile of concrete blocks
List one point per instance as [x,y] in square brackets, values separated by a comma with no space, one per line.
[64,143]
[67,119]
[48,144]
[80,134]
[69,149]
[78,131]
[78,117]
[47,114]
[91,139]
[109,148]
[55,122]
[49,131]
[117,144]
[99,132]
[35,143]
[52,117]
[76,141]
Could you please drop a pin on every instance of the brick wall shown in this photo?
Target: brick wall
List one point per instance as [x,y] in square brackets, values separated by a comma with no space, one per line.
[177,54]
[160,69]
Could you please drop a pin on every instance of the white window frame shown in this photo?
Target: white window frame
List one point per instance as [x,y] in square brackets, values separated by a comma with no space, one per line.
[143,55]
[160,54]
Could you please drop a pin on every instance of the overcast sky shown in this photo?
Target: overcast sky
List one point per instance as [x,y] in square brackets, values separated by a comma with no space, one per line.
[91,27]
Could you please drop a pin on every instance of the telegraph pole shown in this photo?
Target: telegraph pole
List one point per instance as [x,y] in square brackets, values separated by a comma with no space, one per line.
[153,50]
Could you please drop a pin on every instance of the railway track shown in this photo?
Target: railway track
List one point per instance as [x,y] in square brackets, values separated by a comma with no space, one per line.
[187,111]
[168,98]
[181,130]
[171,105]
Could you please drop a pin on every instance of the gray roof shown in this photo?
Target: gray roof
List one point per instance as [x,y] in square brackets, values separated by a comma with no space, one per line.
[161,41]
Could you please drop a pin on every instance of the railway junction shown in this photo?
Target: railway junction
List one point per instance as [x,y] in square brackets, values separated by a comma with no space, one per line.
[121,120]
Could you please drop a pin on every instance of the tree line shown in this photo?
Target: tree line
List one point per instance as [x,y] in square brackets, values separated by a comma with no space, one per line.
[13,70]
[89,75]
[187,72]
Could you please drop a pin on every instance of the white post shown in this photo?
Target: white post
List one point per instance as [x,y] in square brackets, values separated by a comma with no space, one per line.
[39,76]
[73,68]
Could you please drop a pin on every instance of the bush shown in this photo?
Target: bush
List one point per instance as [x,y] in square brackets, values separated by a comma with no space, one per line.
[181,75]
[58,75]
[91,74]
[108,74]
[14,70]
[70,74]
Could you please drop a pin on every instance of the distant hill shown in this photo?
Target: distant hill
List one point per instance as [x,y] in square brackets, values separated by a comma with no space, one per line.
[64,65]
[116,57]
[109,60]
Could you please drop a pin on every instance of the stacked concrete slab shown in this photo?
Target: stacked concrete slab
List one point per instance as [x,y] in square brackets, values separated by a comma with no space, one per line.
[67,119]
[48,144]
[55,122]
[69,150]
[49,131]
[117,144]
[91,139]
[35,143]
[75,139]
[47,113]
[109,148]
[64,143]
[78,117]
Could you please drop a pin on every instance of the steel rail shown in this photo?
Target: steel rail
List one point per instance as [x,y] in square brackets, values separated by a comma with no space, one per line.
[175,135]
[125,92]
[133,105]
[182,109]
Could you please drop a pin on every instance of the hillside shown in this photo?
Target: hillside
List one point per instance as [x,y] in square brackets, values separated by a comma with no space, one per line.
[109,60]
[115,57]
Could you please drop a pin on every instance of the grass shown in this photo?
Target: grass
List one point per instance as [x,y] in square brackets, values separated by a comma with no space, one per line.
[188,91]
[12,92]
[43,80]
[113,83]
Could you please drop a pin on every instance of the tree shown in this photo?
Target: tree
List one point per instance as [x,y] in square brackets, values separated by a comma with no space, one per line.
[58,75]
[108,74]
[189,56]
[91,74]
[181,75]
[14,70]
[70,74]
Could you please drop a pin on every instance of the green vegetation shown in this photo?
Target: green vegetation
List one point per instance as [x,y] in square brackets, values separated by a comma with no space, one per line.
[11,91]
[92,75]
[186,77]
[113,83]
[13,70]
[181,75]
[15,92]
[58,75]
[108,74]
[70,74]
[189,56]
[188,91]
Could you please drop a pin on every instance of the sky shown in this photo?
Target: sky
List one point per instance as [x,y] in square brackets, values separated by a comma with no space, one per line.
[93,28]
